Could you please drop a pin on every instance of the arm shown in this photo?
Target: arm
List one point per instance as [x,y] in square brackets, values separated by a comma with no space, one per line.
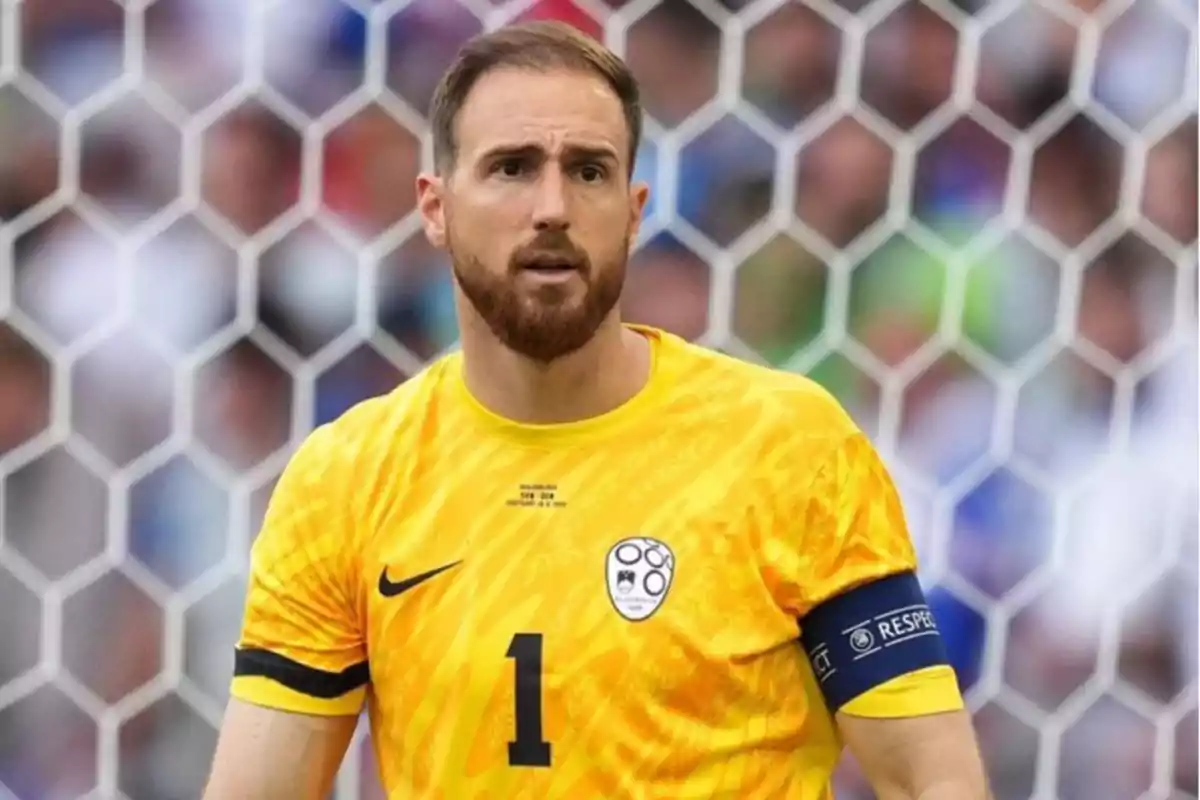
[300,668]
[881,666]
[932,757]
[267,754]
[849,576]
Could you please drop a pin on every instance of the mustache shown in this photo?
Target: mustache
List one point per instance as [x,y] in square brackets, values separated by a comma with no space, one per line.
[549,247]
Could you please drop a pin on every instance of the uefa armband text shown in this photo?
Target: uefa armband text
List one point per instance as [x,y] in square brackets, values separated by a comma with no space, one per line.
[869,635]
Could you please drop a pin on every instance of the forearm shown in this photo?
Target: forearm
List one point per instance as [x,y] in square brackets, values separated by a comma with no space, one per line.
[264,754]
[253,779]
[951,789]
[256,776]
[931,757]
[258,782]
[943,789]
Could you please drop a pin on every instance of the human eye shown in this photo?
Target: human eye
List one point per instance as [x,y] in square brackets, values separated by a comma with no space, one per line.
[510,167]
[592,173]
[513,167]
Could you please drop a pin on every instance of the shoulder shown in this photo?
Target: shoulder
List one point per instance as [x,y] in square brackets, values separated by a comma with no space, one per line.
[374,431]
[345,468]
[755,401]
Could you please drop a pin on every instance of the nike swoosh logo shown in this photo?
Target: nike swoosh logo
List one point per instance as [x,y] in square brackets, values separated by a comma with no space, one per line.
[389,589]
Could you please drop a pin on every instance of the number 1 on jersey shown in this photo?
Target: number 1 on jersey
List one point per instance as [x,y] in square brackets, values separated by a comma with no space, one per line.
[528,749]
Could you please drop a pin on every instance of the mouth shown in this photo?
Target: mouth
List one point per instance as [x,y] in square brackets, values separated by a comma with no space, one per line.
[550,273]
[550,267]
[550,270]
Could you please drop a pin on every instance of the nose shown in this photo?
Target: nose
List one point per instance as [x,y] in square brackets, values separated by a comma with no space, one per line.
[550,205]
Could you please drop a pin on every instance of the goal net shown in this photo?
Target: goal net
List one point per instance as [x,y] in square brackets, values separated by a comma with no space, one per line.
[975,222]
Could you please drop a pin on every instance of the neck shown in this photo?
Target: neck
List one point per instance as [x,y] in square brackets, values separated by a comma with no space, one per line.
[602,375]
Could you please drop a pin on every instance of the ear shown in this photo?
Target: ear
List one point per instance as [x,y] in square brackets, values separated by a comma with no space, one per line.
[639,193]
[431,203]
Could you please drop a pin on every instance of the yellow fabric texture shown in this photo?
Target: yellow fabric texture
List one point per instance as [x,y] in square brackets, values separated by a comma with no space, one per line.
[749,494]
[265,691]
[933,690]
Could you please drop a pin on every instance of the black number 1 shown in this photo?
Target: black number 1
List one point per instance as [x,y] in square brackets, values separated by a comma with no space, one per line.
[528,749]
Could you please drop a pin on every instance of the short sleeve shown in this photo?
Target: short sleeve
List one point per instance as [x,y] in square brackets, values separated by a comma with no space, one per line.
[302,646]
[842,527]
[845,568]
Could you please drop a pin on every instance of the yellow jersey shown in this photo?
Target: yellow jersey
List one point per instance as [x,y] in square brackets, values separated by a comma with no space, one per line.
[612,608]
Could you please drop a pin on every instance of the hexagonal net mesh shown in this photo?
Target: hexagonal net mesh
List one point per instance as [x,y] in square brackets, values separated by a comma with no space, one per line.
[974,222]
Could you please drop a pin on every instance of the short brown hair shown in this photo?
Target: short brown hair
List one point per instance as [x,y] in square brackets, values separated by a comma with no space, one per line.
[536,46]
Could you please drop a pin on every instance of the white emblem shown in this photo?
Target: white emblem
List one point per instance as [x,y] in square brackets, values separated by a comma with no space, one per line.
[639,572]
[861,641]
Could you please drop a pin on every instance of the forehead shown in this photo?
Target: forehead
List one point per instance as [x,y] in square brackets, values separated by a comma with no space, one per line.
[517,106]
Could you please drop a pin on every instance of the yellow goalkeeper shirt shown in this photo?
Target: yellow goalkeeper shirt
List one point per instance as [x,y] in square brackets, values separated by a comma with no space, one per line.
[614,608]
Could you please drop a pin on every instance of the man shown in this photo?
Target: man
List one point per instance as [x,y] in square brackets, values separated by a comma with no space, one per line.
[582,559]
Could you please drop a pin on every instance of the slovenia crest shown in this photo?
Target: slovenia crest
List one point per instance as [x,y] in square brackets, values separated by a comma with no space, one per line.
[639,572]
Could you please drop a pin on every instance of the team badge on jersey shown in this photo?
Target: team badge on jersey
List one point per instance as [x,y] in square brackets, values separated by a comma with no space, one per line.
[639,572]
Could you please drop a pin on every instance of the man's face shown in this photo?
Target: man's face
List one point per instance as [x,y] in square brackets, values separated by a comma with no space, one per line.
[538,212]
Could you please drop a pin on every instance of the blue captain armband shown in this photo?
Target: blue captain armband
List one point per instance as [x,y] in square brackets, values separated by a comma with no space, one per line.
[869,635]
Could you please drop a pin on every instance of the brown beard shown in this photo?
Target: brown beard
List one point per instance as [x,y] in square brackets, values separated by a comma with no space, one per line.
[545,325]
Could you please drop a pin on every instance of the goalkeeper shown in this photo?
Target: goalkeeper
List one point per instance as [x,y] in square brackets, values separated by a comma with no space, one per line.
[582,559]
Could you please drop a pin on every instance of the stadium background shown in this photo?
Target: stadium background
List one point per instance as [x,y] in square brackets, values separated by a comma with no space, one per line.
[976,223]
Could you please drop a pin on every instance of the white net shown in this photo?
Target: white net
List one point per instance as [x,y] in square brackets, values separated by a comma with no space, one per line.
[975,222]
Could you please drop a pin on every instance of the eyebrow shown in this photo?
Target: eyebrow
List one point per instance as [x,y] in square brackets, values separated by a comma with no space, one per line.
[573,152]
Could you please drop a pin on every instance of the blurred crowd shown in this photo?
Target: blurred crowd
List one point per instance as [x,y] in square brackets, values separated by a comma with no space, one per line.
[978,229]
